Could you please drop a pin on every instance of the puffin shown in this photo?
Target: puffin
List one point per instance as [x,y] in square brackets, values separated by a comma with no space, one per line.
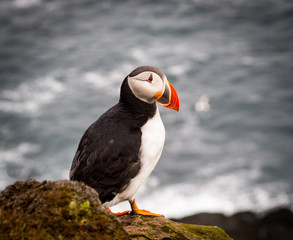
[119,151]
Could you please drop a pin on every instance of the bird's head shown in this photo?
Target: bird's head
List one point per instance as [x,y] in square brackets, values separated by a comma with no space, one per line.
[149,84]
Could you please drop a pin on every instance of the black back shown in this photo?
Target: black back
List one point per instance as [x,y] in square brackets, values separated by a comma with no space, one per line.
[108,154]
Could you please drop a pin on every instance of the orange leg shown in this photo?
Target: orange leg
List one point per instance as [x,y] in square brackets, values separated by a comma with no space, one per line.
[136,210]
[118,213]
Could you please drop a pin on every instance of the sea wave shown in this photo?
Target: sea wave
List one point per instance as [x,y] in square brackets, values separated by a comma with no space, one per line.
[15,161]
[30,97]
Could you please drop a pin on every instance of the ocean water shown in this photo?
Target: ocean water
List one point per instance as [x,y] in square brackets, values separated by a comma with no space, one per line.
[229,148]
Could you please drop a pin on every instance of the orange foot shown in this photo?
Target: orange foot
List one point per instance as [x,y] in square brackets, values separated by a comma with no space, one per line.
[118,213]
[136,210]
[145,212]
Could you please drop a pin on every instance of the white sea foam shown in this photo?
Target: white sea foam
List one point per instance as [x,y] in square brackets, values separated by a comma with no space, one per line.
[30,97]
[202,105]
[107,82]
[16,157]
[179,69]
[26,3]
[138,54]
[17,154]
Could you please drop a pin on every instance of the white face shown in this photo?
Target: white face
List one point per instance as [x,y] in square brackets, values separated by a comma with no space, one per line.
[147,86]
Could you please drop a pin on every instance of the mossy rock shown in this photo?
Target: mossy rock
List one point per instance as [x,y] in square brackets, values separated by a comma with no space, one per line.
[70,210]
[55,210]
[149,227]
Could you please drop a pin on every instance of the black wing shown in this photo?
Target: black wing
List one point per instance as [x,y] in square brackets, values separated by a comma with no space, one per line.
[107,157]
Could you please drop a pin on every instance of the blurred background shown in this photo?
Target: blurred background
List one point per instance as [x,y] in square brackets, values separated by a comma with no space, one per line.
[228,149]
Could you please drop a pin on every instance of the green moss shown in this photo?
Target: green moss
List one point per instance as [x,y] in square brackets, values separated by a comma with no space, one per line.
[206,232]
[85,205]
[78,211]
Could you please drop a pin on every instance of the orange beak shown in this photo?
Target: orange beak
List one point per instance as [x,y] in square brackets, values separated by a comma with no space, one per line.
[169,98]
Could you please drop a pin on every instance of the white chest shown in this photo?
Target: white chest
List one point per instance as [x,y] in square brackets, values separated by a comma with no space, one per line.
[152,143]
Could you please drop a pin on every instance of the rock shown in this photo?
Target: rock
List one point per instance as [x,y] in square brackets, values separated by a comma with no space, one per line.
[239,226]
[70,210]
[273,225]
[277,224]
[149,227]
[55,210]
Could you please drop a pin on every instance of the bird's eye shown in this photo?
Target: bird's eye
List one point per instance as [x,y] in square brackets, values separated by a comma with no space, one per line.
[150,79]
